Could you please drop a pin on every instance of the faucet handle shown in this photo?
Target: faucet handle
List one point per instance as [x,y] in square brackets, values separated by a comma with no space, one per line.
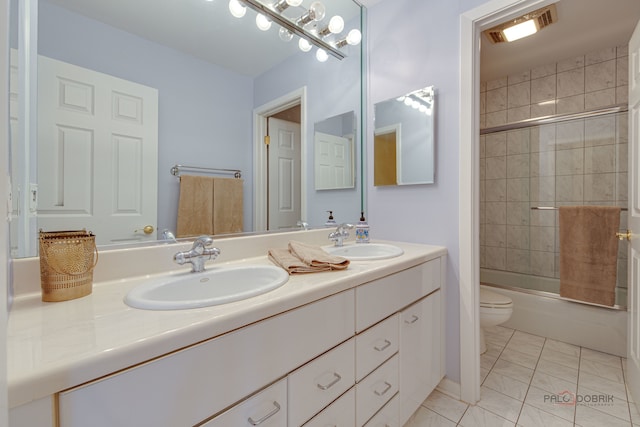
[205,240]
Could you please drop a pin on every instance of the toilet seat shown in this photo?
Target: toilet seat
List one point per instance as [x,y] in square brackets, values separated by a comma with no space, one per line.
[490,299]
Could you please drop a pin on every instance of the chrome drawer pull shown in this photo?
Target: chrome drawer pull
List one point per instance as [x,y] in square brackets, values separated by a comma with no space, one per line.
[269,415]
[386,344]
[331,384]
[414,319]
[387,388]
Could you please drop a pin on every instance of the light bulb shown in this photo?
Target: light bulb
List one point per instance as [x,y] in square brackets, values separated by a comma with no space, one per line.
[400,98]
[354,37]
[237,9]
[415,105]
[304,45]
[263,22]
[423,108]
[336,24]
[316,11]
[285,35]
[294,3]
[321,55]
[407,101]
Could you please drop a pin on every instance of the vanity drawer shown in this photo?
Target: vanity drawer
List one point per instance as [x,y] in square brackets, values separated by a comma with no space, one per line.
[267,408]
[387,416]
[341,413]
[382,297]
[375,345]
[376,389]
[318,383]
[191,385]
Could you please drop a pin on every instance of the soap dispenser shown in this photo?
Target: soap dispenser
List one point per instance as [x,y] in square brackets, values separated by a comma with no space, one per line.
[362,230]
[330,222]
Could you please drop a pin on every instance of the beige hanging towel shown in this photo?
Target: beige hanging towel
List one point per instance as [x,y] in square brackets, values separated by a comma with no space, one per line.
[227,205]
[195,206]
[588,253]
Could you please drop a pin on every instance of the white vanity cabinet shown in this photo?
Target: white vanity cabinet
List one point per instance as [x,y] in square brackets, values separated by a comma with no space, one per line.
[191,385]
[367,356]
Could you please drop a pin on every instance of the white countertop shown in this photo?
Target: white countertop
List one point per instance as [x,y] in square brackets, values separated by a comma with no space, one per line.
[54,346]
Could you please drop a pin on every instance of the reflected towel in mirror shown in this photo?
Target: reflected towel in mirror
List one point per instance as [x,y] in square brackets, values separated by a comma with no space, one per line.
[209,205]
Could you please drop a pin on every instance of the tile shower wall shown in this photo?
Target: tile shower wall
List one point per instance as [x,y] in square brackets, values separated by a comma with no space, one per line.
[568,163]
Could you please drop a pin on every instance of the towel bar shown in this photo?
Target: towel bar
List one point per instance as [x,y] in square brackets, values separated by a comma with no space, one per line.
[553,208]
[176,169]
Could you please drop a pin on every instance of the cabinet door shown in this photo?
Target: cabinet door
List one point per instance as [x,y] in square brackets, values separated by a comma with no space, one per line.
[420,347]
[267,408]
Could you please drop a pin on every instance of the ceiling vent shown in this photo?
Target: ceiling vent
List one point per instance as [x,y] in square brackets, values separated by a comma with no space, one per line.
[523,26]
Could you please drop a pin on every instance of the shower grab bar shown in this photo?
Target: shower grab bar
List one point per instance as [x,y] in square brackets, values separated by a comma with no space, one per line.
[621,108]
[553,208]
[176,169]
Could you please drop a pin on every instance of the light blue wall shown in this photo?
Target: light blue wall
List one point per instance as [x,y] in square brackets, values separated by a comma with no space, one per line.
[414,44]
[204,110]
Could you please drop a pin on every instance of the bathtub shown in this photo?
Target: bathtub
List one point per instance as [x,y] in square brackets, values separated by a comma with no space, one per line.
[545,313]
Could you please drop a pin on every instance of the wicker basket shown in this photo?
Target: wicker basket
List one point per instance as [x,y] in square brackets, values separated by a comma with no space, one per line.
[67,259]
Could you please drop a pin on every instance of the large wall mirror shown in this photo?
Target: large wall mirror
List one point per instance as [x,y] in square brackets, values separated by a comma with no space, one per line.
[404,139]
[201,83]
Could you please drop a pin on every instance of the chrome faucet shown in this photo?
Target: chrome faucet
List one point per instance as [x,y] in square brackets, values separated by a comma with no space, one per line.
[168,236]
[303,225]
[198,254]
[340,234]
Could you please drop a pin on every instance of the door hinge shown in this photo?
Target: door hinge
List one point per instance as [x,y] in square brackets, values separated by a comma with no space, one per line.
[267,140]
[33,197]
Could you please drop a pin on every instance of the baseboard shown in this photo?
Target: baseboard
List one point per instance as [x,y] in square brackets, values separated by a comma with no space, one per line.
[450,388]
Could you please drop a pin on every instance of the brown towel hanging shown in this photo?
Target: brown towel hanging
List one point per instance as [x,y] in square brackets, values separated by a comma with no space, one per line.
[589,253]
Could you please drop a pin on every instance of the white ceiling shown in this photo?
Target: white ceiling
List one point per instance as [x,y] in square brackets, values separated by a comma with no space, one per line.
[583,26]
[205,29]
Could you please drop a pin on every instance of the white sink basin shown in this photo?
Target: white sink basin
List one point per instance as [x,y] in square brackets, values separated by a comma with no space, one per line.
[366,251]
[217,285]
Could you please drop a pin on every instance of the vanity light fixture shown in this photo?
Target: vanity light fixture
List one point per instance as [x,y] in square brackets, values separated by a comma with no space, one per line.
[421,100]
[308,37]
[523,26]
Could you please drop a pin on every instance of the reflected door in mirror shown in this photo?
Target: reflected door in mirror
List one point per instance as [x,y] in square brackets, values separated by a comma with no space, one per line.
[384,156]
[97,153]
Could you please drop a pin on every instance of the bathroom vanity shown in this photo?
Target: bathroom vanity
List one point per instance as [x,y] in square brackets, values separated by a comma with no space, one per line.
[363,346]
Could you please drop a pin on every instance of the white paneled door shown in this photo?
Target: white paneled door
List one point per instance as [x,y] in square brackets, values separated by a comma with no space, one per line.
[284,174]
[97,153]
[633,361]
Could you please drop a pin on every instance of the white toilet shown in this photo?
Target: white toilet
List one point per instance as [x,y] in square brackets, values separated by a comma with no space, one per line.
[495,309]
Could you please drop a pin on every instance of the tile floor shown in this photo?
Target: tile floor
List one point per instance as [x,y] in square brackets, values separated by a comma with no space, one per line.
[529,381]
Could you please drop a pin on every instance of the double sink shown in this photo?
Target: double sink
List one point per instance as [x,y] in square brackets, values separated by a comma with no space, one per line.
[221,285]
